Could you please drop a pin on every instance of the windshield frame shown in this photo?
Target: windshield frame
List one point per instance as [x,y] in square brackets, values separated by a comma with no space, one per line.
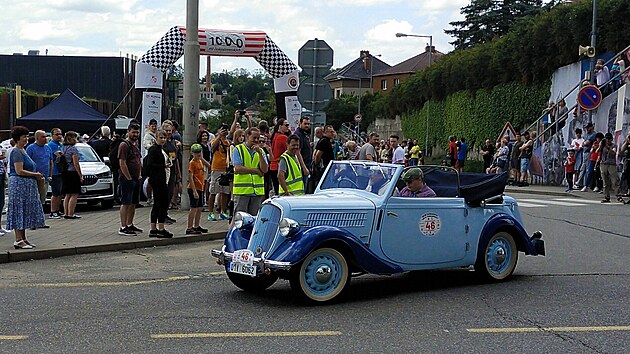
[383,168]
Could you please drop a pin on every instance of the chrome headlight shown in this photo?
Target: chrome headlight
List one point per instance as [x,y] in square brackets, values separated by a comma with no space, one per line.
[286,225]
[242,219]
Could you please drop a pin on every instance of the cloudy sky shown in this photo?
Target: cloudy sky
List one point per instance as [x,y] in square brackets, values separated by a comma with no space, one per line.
[120,27]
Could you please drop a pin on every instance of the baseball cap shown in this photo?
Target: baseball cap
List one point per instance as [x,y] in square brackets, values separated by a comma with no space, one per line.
[412,174]
[195,148]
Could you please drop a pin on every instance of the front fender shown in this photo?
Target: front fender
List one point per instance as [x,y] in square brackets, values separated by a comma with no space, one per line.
[505,222]
[237,239]
[305,241]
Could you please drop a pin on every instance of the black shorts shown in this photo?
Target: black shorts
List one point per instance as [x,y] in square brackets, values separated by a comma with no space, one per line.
[71,183]
[56,184]
[460,163]
[129,191]
[195,203]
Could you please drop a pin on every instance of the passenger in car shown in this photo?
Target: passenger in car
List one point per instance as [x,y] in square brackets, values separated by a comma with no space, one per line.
[416,188]
[377,183]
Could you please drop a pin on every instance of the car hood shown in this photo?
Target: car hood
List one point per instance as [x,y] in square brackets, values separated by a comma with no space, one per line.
[337,200]
[93,168]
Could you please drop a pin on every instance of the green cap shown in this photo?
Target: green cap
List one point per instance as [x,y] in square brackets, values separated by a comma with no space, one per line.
[195,148]
[413,174]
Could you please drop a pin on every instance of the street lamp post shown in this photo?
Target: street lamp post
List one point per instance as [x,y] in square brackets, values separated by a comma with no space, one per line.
[426,136]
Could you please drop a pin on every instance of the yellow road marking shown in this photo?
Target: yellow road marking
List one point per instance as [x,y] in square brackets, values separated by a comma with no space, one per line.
[109,283]
[13,337]
[549,329]
[244,334]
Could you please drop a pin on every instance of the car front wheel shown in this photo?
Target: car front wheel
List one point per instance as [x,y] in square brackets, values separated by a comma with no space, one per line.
[497,258]
[322,276]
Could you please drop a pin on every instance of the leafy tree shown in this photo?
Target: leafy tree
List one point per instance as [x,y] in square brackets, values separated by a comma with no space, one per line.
[486,19]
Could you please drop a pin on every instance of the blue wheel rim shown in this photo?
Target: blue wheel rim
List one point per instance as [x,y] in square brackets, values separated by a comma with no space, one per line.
[499,256]
[315,286]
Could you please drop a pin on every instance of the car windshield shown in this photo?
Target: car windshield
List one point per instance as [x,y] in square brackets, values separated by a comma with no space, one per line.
[364,175]
[87,154]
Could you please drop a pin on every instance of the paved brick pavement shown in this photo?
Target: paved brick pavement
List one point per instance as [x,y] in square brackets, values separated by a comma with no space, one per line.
[97,231]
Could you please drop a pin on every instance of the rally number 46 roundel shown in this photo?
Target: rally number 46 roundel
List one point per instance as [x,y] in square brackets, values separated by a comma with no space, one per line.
[430,224]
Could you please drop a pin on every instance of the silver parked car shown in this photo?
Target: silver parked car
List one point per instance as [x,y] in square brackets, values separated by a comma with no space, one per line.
[98,181]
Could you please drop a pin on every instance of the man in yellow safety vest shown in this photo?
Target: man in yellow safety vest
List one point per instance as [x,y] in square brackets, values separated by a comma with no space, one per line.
[291,168]
[250,165]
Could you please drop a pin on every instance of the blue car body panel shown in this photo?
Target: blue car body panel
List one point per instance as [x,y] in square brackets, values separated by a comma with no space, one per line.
[304,241]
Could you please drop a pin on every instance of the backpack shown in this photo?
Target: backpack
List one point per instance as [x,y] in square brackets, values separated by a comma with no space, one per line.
[113,155]
[62,163]
[146,171]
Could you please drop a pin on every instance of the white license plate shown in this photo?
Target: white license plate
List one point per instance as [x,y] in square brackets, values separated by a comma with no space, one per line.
[240,268]
[106,180]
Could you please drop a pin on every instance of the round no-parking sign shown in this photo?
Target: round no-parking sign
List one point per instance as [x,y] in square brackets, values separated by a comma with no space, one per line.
[589,97]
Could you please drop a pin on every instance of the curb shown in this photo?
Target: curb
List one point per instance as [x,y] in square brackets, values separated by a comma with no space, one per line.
[12,256]
[524,190]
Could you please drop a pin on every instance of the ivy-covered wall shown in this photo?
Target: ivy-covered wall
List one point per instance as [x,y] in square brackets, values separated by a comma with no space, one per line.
[477,116]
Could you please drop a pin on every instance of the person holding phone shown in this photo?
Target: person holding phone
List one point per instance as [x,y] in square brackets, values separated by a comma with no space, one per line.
[220,147]
[236,124]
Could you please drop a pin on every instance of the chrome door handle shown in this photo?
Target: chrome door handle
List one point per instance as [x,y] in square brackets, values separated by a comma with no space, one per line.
[391,213]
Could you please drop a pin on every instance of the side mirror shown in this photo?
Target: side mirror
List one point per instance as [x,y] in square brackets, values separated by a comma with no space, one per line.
[106,160]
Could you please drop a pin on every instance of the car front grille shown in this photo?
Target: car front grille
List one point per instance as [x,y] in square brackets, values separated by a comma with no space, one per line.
[265,229]
[89,180]
[337,219]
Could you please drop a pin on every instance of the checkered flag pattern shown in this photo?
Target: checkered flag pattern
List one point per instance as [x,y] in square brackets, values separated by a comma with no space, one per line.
[272,59]
[166,51]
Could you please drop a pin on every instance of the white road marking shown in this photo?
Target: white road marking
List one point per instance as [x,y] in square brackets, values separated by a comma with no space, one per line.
[553,202]
[531,205]
[588,201]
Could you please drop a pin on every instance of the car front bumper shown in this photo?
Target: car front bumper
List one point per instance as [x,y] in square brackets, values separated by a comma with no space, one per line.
[263,265]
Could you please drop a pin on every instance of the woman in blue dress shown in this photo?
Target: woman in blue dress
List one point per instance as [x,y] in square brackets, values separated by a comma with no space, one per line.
[25,209]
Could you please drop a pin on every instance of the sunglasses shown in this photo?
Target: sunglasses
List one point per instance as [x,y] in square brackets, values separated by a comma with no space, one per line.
[286,125]
[58,134]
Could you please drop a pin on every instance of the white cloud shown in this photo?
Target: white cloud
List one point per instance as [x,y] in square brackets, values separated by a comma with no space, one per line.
[45,30]
[100,6]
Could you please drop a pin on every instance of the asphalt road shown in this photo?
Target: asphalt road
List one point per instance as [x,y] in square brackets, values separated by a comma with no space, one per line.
[175,299]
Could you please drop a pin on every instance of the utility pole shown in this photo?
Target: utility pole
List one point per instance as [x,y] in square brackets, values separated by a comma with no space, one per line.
[191,89]
[594,58]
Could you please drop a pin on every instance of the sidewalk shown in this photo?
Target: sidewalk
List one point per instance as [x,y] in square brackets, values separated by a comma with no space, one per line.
[97,231]
[558,191]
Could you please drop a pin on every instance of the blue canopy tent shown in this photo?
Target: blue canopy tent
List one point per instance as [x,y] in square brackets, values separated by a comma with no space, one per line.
[67,112]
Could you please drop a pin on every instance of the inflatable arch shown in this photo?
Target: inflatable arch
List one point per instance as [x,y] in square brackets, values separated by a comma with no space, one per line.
[255,44]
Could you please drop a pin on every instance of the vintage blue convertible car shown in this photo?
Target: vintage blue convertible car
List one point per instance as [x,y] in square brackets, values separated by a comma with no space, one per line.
[347,228]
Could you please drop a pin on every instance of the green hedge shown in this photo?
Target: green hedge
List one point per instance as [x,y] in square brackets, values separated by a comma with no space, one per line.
[477,116]
[529,54]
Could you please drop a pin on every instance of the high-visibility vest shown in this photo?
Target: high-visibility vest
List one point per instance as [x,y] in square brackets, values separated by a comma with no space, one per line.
[293,177]
[249,183]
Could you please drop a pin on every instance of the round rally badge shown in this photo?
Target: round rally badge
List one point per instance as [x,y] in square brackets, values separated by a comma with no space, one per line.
[293,82]
[430,224]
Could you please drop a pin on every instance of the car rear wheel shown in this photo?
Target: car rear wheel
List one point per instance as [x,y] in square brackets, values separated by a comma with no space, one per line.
[497,258]
[322,276]
[251,284]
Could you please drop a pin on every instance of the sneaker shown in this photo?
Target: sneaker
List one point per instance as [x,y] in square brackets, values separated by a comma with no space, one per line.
[584,189]
[125,231]
[211,217]
[154,233]
[606,200]
[170,219]
[164,234]
[596,189]
[54,215]
[133,228]
[201,229]
[224,216]
[569,190]
[192,231]
[620,200]
[4,231]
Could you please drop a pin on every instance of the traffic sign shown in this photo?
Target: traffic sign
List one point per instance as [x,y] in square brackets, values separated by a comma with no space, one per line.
[589,97]
[315,58]
[358,117]
[508,130]
[314,93]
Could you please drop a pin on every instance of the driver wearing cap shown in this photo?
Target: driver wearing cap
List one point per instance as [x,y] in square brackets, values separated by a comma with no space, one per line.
[416,188]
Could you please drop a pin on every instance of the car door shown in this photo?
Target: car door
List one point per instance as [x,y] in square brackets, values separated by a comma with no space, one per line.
[424,230]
